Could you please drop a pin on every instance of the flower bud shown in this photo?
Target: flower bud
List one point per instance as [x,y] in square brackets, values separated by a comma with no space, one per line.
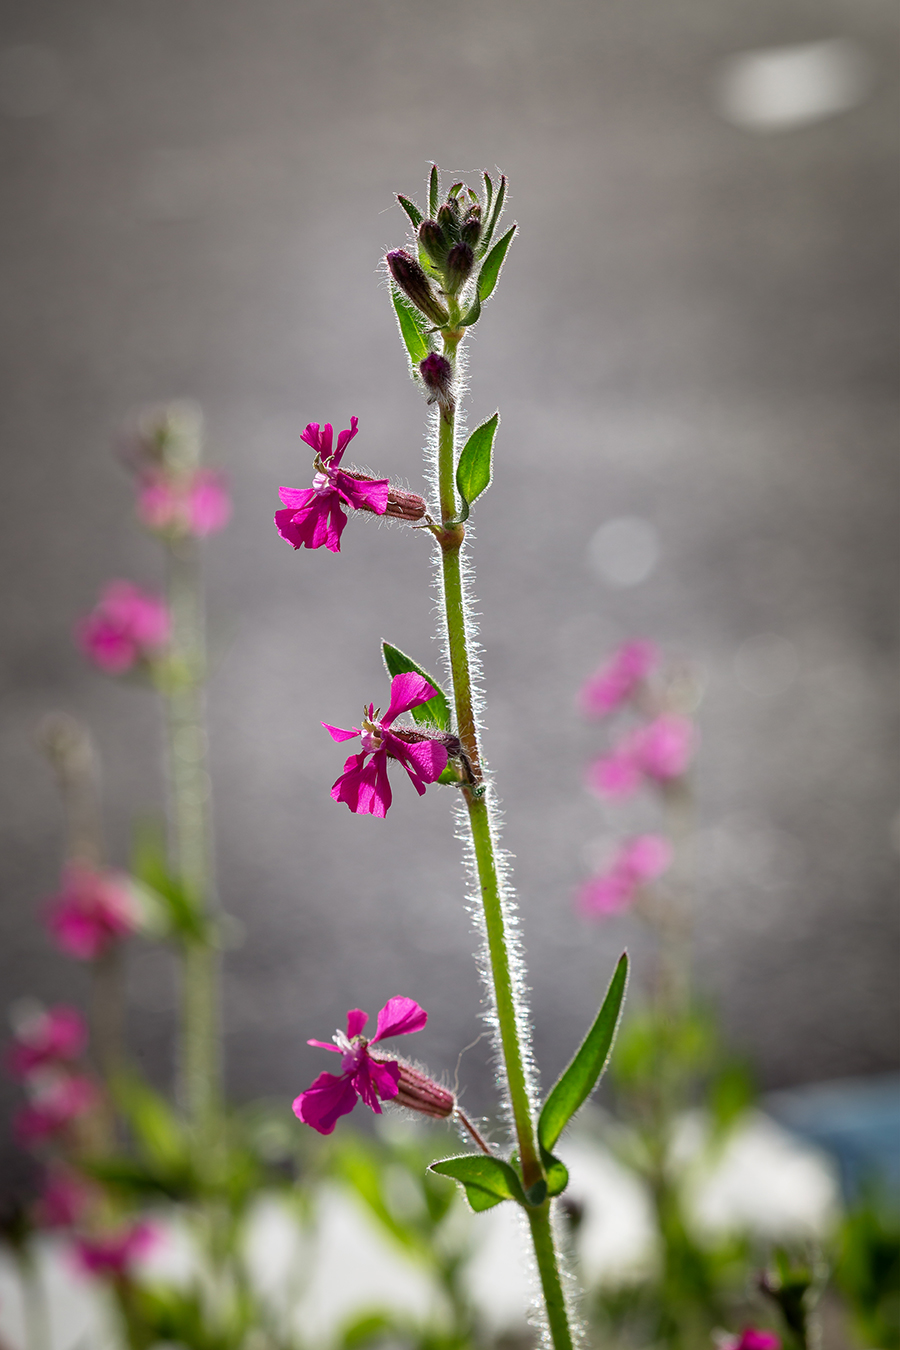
[422,1094]
[437,375]
[448,219]
[413,282]
[460,261]
[433,241]
[470,231]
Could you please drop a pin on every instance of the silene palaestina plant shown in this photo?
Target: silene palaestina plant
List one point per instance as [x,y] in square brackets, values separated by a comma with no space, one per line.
[439,285]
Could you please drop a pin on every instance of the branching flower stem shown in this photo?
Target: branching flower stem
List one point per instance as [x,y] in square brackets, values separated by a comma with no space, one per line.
[450,537]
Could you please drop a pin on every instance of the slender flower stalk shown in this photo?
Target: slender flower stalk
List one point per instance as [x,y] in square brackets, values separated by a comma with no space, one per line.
[512,1026]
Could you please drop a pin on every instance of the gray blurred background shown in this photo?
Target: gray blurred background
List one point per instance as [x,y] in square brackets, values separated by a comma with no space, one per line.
[695,335]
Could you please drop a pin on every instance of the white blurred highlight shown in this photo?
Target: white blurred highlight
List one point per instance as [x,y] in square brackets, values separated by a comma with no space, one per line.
[777,88]
[623,552]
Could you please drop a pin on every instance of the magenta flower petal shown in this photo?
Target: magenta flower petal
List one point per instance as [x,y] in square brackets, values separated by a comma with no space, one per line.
[614,775]
[344,439]
[57,1035]
[399,1017]
[318,439]
[296,498]
[326,1045]
[424,761]
[338,734]
[356,1020]
[370,494]
[374,1080]
[325,1101]
[616,680]
[407,691]
[365,787]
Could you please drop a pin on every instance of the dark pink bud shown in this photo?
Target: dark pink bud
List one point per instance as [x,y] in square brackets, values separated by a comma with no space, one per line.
[437,374]
[460,261]
[432,239]
[415,285]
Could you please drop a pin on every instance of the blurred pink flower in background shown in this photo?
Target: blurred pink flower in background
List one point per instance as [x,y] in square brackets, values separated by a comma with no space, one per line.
[639,860]
[199,504]
[52,1036]
[58,1102]
[113,1254]
[365,787]
[618,678]
[752,1339]
[64,1199]
[365,1076]
[315,516]
[660,750]
[93,910]
[128,625]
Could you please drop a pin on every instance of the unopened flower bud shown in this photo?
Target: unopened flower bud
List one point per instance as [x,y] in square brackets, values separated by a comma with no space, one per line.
[422,1094]
[405,505]
[470,232]
[437,375]
[460,261]
[448,219]
[434,242]
[413,282]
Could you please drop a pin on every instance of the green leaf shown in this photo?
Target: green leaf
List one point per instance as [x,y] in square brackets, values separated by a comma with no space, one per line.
[167,894]
[578,1081]
[436,712]
[472,314]
[434,192]
[487,1180]
[490,268]
[157,1130]
[473,472]
[412,327]
[491,223]
[411,210]
[488,196]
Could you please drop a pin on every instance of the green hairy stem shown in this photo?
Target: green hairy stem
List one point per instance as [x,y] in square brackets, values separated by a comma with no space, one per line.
[510,1016]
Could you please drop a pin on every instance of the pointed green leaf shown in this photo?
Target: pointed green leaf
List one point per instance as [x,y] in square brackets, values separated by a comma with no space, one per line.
[156,1128]
[487,1181]
[491,223]
[490,268]
[166,894]
[488,196]
[411,210]
[434,192]
[579,1080]
[472,314]
[412,327]
[436,712]
[473,472]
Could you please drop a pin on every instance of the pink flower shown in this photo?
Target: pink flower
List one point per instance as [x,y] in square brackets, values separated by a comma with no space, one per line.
[664,746]
[315,516]
[60,1101]
[64,1199]
[365,787]
[53,1036]
[112,1254]
[365,1076]
[638,860]
[198,504]
[128,625]
[92,911]
[752,1339]
[616,680]
[661,750]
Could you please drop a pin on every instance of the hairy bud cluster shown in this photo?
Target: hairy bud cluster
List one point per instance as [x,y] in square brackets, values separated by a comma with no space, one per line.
[437,376]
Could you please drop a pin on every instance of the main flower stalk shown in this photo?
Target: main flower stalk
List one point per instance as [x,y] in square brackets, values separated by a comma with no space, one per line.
[511,1022]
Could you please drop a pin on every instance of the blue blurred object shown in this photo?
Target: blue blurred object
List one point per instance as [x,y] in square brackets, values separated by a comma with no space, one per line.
[857,1120]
